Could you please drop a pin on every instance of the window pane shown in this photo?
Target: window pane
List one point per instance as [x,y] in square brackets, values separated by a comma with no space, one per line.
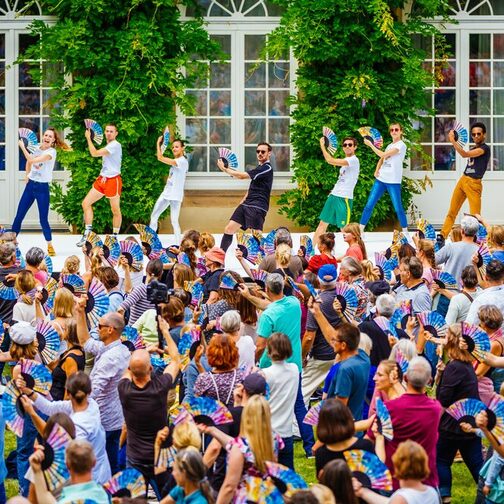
[217,10]
[418,163]
[498,74]
[449,75]
[498,157]
[255,103]
[198,159]
[2,101]
[30,123]
[255,130]
[479,46]
[253,8]
[200,106]
[279,130]
[220,103]
[48,100]
[253,46]
[423,43]
[444,102]
[255,75]
[250,157]
[278,75]
[498,130]
[2,74]
[2,45]
[2,129]
[214,155]
[220,131]
[479,102]
[479,74]
[443,126]
[424,127]
[487,122]
[278,103]
[51,72]
[498,105]
[25,77]
[26,40]
[29,102]
[224,42]
[444,158]
[220,75]
[196,130]
[2,157]
[498,46]
[450,40]
[280,158]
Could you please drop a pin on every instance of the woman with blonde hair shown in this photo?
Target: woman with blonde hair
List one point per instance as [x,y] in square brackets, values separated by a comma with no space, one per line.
[93,262]
[206,242]
[369,271]
[353,238]
[182,274]
[24,309]
[71,266]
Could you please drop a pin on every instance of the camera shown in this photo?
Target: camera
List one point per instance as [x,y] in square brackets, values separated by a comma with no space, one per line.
[158,292]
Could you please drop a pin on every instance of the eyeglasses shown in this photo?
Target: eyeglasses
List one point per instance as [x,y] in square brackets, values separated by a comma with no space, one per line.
[394,129]
[258,151]
[476,134]
[348,145]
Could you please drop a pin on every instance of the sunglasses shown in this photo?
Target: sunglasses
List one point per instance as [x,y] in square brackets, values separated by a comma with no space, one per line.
[348,145]
[259,151]
[394,129]
[476,134]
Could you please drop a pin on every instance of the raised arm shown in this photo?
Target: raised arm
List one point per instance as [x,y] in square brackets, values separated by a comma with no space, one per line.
[232,173]
[160,157]
[92,149]
[465,154]
[380,153]
[80,316]
[329,158]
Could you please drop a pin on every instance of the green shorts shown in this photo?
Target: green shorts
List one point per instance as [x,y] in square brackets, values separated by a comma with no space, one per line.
[337,211]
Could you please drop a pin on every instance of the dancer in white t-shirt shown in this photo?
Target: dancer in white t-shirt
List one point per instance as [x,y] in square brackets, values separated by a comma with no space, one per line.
[108,184]
[173,193]
[388,174]
[338,206]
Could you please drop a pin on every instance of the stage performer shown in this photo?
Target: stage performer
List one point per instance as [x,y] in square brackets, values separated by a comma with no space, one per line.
[252,210]
[173,193]
[469,185]
[108,184]
[388,174]
[338,206]
[39,169]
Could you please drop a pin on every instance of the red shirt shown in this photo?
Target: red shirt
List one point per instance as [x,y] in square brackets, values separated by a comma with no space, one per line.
[317,261]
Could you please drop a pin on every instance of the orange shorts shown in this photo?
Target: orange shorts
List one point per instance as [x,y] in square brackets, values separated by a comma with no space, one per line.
[110,187]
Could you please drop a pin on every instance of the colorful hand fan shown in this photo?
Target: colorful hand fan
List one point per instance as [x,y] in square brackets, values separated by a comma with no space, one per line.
[484,257]
[285,479]
[268,242]
[98,302]
[402,361]
[187,339]
[96,131]
[495,413]
[159,363]
[295,289]
[179,414]
[348,298]
[228,282]
[393,261]
[259,277]
[166,140]
[433,322]
[203,315]
[478,342]
[373,135]
[92,240]
[384,420]
[53,466]
[36,376]
[133,253]
[126,483]
[261,491]
[369,469]
[250,248]
[208,411]
[7,291]
[384,324]
[13,411]
[426,230]
[196,290]
[165,458]
[48,342]
[150,241]
[444,279]
[229,158]
[482,234]
[49,264]
[183,258]
[330,140]
[465,410]
[306,245]
[74,283]
[401,314]
[383,264]
[460,133]
[20,260]
[132,339]
[48,292]
[312,416]
[111,249]
[201,268]
[29,139]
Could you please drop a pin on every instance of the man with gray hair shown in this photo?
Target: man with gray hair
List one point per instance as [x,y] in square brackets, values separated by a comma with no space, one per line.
[456,256]
[415,416]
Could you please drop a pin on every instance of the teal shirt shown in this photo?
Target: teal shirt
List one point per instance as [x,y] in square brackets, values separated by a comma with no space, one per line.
[197,497]
[81,492]
[282,316]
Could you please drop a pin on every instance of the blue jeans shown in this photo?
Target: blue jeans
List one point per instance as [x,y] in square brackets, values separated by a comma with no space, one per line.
[3,496]
[112,447]
[376,193]
[306,431]
[24,451]
[286,455]
[39,192]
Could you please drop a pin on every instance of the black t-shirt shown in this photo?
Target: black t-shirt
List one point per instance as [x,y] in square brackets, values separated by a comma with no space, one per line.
[211,283]
[476,167]
[323,455]
[381,345]
[7,306]
[260,187]
[145,413]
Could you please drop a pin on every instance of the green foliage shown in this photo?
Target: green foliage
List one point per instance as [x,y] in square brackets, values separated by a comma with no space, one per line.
[124,64]
[358,66]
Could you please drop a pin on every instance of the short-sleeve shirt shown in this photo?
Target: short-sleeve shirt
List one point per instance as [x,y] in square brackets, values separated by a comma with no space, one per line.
[391,170]
[196,497]
[111,164]
[174,188]
[324,455]
[145,414]
[348,175]
[42,172]
[477,166]
[211,282]
[259,191]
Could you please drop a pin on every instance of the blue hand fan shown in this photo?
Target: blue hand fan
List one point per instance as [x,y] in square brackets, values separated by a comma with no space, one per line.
[49,264]
[286,480]
[384,324]
[159,363]
[393,262]
[96,131]
[166,457]
[460,133]
[111,249]
[478,342]
[48,342]
[201,268]
[2,332]
[433,322]
[7,291]
[444,279]
[260,491]
[250,248]
[20,260]
[312,415]
[348,298]
[228,283]
[29,139]
[229,158]
[369,470]
[484,257]
[306,245]
[36,376]
[482,234]
[53,466]
[13,411]
[384,420]
[310,288]
[465,410]
[48,293]
[426,230]
[97,303]
[383,264]
[132,339]
[330,140]
[373,135]
[259,277]
[74,283]
[402,312]
[150,241]
[126,483]
[133,253]
[203,315]
[183,258]
[187,339]
[166,140]
[92,241]
[268,242]
[402,361]
[196,290]
[208,411]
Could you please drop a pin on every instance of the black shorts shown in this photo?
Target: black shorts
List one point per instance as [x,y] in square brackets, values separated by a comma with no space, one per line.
[249,217]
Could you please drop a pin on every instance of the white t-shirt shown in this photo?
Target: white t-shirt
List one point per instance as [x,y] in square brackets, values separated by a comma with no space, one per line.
[42,172]
[347,179]
[111,164]
[174,188]
[391,170]
[246,351]
[283,380]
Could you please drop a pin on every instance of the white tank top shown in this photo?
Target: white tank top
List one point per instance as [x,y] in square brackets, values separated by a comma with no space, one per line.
[428,496]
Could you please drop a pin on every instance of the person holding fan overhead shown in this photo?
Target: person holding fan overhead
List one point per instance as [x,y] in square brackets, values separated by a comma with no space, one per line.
[388,174]
[39,169]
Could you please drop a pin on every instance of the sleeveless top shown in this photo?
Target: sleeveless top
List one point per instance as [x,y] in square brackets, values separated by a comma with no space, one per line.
[59,376]
[411,496]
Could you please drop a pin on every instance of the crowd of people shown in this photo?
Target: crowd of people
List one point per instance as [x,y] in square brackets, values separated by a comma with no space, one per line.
[197,382]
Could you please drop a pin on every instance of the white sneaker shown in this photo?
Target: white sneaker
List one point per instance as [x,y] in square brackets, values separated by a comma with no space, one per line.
[82,241]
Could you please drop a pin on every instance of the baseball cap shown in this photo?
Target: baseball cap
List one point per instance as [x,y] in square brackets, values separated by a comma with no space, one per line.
[328,273]
[22,333]
[378,287]
[216,254]
[255,383]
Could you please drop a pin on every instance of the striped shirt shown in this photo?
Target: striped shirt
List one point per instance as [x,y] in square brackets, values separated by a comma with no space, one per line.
[137,303]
